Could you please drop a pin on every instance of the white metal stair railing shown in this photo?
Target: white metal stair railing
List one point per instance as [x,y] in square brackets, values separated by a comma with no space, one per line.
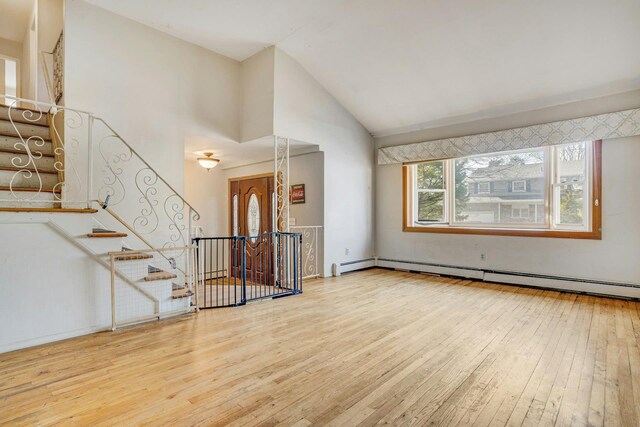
[311,235]
[44,147]
[138,193]
[89,160]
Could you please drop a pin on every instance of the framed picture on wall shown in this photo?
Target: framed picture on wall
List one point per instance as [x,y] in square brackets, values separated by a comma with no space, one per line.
[297,194]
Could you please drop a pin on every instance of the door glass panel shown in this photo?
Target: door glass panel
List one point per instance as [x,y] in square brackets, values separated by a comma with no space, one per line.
[253,216]
[235,215]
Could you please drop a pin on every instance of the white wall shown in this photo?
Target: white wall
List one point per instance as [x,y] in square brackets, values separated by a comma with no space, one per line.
[154,89]
[257,95]
[305,111]
[66,295]
[209,191]
[157,92]
[614,258]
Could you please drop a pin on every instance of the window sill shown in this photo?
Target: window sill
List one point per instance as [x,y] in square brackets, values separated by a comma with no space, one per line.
[559,234]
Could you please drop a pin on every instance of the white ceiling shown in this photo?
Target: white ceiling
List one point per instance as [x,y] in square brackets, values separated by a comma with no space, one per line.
[14,18]
[410,64]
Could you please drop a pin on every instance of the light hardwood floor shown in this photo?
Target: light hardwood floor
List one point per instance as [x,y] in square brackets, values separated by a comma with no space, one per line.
[370,347]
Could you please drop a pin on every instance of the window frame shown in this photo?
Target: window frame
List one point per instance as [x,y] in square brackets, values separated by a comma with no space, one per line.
[513,186]
[484,192]
[520,210]
[444,190]
[594,202]
[481,225]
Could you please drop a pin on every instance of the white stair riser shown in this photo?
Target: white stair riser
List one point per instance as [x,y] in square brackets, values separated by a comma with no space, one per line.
[15,143]
[18,197]
[22,179]
[23,115]
[23,130]
[23,160]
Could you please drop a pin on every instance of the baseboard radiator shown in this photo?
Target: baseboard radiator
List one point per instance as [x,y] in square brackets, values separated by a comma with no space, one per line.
[567,284]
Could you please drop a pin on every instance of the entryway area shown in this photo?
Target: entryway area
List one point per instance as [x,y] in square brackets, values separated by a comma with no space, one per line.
[232,271]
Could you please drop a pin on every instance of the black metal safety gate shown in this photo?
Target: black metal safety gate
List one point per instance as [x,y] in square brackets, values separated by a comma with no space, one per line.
[232,271]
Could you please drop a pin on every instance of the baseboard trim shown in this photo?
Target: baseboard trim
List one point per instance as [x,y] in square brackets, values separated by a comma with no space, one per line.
[360,264]
[424,267]
[568,284]
[33,342]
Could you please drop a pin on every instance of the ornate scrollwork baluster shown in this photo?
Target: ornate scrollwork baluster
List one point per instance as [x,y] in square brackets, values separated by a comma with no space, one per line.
[174,209]
[114,153]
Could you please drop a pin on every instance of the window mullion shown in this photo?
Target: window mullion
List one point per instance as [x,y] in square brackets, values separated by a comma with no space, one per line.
[450,190]
[550,177]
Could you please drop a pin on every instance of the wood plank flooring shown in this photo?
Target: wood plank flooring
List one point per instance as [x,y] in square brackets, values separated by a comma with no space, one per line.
[373,347]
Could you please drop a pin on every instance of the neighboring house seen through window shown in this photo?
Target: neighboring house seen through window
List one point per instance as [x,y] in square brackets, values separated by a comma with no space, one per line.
[542,189]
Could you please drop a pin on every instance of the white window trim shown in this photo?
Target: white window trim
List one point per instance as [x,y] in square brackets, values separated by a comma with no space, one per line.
[519,210]
[484,192]
[551,196]
[513,186]
[416,191]
[556,185]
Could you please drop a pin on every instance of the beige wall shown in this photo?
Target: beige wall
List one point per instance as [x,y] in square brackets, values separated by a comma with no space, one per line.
[10,48]
[29,63]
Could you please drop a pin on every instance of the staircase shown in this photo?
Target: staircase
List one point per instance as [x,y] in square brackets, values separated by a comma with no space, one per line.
[56,163]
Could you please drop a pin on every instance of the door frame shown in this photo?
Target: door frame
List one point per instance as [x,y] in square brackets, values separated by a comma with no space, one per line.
[229,199]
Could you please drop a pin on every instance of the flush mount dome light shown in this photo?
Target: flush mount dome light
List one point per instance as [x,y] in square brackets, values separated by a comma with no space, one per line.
[208,162]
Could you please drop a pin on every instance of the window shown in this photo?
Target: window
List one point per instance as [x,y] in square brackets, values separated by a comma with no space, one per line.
[484,187]
[10,80]
[430,193]
[519,212]
[519,186]
[546,192]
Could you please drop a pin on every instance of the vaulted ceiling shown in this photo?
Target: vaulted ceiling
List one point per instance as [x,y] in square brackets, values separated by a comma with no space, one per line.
[410,64]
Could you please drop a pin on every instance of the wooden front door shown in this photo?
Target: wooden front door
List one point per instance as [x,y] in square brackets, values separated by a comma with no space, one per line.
[250,213]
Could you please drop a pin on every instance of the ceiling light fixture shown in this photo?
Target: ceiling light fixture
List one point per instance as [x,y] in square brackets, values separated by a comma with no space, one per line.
[208,162]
